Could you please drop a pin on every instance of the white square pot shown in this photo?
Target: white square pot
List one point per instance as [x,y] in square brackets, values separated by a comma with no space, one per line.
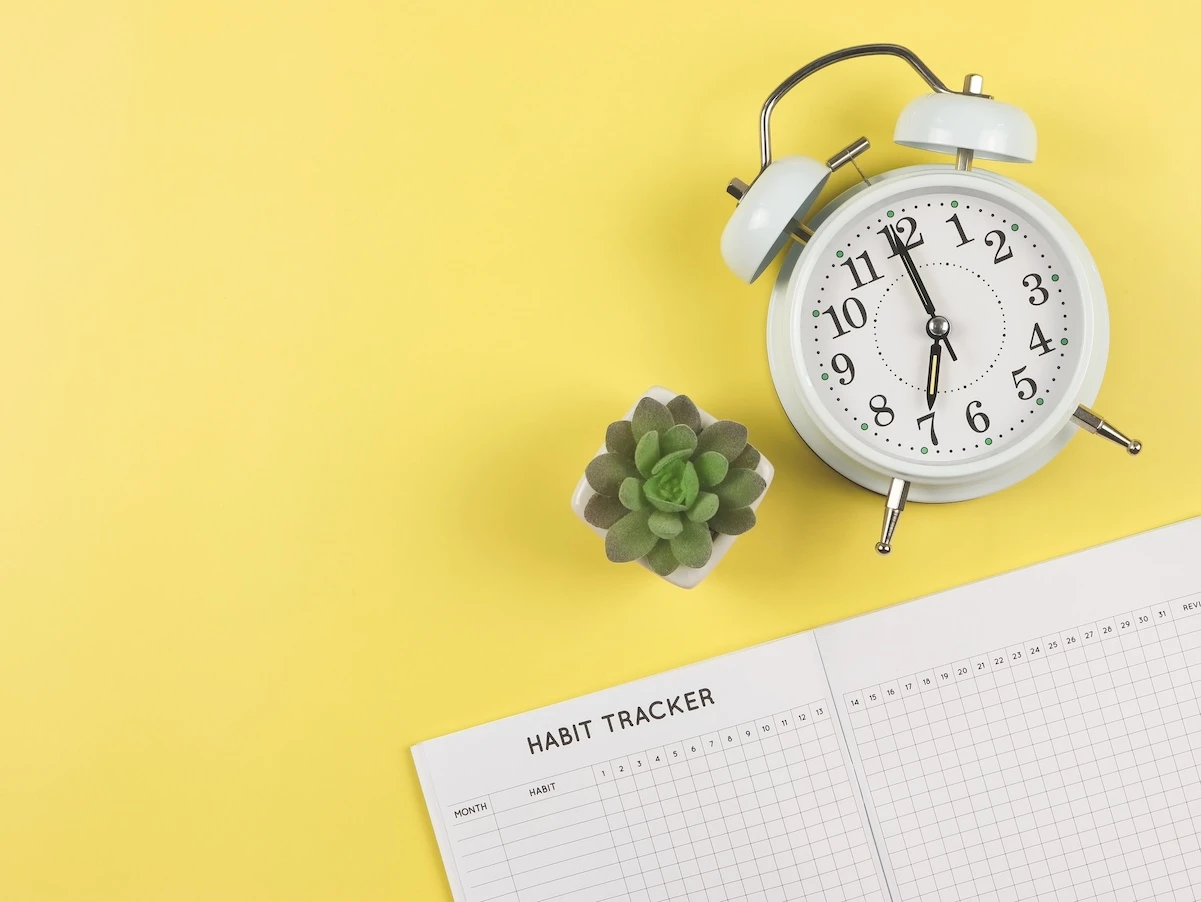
[684,577]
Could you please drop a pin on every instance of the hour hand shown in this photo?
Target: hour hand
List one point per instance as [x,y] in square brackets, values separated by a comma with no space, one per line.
[932,373]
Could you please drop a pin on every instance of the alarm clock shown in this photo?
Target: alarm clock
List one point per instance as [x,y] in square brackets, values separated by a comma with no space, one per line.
[936,332]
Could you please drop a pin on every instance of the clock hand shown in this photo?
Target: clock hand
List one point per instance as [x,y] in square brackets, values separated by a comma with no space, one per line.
[932,373]
[898,247]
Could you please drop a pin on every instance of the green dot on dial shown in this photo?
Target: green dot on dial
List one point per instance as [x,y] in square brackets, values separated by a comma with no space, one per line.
[925,450]
[890,214]
[954,203]
[988,441]
[1014,227]
[863,426]
[1063,341]
[826,376]
[1055,277]
[1039,402]
[817,313]
[838,253]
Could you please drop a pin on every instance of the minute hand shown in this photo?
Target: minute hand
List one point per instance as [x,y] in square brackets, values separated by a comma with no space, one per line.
[927,302]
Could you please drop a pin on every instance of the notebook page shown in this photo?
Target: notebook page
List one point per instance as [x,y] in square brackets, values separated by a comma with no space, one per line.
[1036,735]
[722,780]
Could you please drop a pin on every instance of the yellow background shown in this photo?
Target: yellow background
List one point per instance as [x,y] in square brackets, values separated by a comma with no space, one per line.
[312,313]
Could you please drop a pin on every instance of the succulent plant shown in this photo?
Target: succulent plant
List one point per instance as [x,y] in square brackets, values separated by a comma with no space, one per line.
[665,486]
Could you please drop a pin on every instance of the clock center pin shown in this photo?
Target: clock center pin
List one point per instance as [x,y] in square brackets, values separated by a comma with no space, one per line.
[938,327]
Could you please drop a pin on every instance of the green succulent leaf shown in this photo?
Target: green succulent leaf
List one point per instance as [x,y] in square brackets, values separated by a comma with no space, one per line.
[606,473]
[748,459]
[684,412]
[665,525]
[602,512]
[619,438]
[711,467]
[732,521]
[665,489]
[679,438]
[662,504]
[669,459]
[740,488]
[647,453]
[630,494]
[693,546]
[648,415]
[725,437]
[691,484]
[662,559]
[705,507]
[629,538]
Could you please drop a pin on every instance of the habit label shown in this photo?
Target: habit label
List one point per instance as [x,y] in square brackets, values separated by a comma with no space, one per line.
[564,736]
[659,709]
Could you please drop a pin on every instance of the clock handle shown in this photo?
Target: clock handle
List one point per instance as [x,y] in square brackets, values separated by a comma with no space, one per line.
[898,492]
[1092,422]
[847,53]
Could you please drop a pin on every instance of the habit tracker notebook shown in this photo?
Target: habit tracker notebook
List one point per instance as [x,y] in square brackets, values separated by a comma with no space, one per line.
[1033,736]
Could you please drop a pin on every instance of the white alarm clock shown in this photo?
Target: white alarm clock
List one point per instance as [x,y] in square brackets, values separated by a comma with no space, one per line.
[936,332]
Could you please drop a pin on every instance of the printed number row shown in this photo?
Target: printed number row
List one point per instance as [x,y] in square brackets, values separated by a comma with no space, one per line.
[1013,656]
[801,719]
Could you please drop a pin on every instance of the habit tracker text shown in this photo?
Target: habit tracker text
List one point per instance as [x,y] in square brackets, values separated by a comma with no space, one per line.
[621,720]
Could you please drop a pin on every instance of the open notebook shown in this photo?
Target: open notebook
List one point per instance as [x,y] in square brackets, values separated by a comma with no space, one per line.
[1032,736]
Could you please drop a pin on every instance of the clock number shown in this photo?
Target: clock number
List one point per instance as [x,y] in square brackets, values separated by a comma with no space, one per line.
[912,240]
[1039,342]
[963,239]
[998,256]
[879,406]
[1017,383]
[933,435]
[867,261]
[1037,286]
[845,367]
[851,308]
[978,420]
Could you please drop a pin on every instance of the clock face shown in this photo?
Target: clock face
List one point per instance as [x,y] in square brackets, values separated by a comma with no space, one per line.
[871,326]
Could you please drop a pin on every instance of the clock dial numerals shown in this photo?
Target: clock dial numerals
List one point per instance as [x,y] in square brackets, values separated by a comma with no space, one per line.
[963,239]
[842,364]
[933,434]
[906,229]
[1039,342]
[1003,253]
[867,263]
[977,419]
[995,238]
[1001,282]
[884,414]
[854,314]
[1035,283]
[1025,394]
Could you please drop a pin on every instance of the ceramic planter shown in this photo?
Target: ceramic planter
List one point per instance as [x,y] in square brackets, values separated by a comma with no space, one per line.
[684,577]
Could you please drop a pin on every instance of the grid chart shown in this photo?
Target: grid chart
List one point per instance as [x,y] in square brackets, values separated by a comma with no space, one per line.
[762,811]
[1062,768]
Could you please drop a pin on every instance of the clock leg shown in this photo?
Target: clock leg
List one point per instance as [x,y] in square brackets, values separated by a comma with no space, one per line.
[1093,423]
[898,492]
